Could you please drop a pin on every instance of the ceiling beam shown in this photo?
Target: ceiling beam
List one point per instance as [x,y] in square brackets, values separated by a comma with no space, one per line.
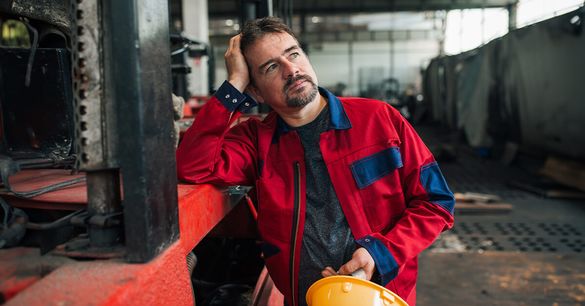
[352,36]
[229,8]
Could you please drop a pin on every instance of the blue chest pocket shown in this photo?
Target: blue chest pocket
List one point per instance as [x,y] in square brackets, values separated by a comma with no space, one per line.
[371,168]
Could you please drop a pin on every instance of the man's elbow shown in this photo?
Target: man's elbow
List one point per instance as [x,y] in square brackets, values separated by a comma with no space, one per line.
[182,174]
[185,172]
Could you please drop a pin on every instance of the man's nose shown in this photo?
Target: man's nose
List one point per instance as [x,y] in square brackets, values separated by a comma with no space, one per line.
[289,69]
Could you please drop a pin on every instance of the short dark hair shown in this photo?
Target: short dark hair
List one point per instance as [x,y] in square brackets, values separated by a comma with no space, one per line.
[256,29]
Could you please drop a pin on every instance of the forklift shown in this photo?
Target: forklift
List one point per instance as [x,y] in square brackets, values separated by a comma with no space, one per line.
[91,210]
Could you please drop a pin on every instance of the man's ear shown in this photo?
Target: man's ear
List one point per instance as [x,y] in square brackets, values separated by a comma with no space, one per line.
[254,93]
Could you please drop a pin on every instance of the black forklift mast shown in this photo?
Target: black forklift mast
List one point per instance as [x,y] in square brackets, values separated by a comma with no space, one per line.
[137,122]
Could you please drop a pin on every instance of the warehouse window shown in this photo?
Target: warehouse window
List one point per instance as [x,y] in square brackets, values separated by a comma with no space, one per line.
[532,11]
[469,29]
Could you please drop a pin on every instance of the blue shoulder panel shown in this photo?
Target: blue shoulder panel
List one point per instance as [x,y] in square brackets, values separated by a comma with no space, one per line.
[434,183]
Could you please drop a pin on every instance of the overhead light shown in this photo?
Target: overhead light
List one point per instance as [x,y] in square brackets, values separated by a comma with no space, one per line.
[576,20]
[315,19]
[229,22]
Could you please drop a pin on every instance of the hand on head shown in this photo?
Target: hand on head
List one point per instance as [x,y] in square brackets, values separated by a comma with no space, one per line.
[237,69]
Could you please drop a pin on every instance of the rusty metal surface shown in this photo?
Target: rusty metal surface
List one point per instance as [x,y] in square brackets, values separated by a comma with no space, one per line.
[55,12]
[104,207]
[95,139]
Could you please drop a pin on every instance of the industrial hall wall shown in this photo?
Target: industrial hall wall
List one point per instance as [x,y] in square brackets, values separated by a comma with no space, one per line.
[526,87]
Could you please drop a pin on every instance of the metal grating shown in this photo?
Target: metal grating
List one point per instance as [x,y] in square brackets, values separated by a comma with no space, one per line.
[510,236]
[470,176]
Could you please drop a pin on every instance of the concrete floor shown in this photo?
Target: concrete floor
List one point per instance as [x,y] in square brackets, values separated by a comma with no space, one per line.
[531,255]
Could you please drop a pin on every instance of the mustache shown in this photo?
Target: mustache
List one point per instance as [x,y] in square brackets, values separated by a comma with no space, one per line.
[291,80]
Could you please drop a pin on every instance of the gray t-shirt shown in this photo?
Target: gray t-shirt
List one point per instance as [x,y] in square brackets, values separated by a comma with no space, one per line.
[327,239]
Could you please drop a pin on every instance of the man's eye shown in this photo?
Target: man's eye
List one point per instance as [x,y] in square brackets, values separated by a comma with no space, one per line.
[295,55]
[271,67]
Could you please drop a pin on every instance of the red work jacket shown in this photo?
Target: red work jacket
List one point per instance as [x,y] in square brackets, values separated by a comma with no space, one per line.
[390,188]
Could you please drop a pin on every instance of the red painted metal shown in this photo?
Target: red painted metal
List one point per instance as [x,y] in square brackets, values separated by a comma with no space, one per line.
[69,198]
[27,180]
[21,267]
[252,208]
[12,282]
[164,280]
[201,207]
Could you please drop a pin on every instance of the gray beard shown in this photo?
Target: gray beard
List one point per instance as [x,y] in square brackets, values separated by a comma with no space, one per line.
[304,98]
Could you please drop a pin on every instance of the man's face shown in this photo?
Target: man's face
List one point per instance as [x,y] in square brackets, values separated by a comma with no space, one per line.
[282,75]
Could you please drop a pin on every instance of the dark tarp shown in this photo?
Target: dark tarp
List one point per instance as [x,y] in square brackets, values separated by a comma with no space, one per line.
[526,87]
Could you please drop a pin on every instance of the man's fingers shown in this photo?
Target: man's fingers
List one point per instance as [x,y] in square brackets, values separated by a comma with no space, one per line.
[236,40]
[236,65]
[235,43]
[234,46]
[349,267]
[360,259]
[328,271]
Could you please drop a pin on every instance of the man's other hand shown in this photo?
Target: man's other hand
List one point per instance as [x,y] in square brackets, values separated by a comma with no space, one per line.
[235,63]
[361,259]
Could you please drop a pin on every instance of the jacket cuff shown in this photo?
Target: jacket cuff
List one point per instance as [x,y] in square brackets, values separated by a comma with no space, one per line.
[386,265]
[233,99]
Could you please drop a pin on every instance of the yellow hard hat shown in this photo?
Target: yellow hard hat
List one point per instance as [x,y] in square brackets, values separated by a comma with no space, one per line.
[342,290]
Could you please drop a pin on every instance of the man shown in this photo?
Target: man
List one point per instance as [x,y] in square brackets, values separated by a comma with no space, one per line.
[342,183]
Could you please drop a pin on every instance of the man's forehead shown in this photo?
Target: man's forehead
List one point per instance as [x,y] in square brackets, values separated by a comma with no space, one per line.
[273,42]
[268,47]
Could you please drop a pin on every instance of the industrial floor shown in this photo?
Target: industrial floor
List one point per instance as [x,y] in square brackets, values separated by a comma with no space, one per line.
[533,254]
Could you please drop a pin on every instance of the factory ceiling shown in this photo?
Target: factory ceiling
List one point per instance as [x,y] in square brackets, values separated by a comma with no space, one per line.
[231,8]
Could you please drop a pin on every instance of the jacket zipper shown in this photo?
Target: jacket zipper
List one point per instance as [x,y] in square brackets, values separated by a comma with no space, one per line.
[296,215]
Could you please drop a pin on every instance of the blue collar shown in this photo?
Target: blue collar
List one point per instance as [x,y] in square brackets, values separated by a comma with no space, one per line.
[339,120]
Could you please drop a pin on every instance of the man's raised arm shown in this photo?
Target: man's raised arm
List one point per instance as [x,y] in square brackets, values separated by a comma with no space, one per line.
[210,151]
